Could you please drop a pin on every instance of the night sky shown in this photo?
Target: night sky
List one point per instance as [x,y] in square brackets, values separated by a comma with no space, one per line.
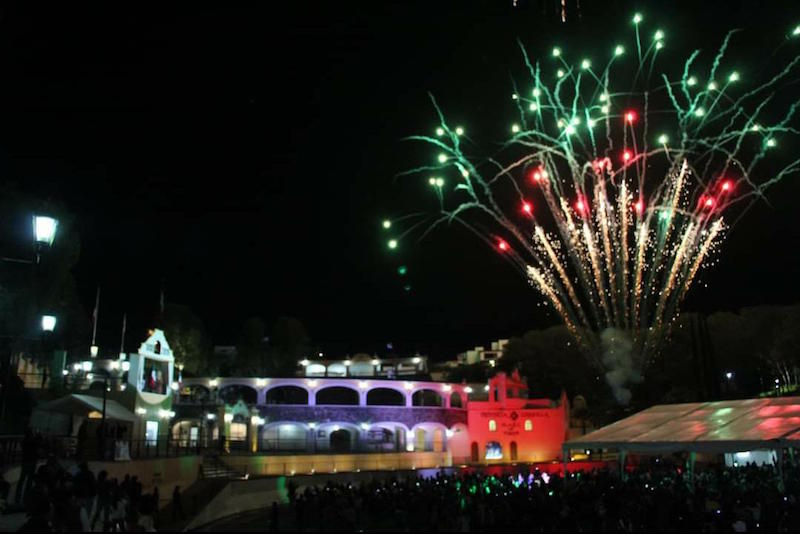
[247,156]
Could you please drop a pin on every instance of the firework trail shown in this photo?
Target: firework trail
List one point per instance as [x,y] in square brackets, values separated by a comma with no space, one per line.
[632,216]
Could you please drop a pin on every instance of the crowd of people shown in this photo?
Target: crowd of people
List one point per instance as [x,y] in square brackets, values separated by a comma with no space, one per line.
[660,497]
[74,499]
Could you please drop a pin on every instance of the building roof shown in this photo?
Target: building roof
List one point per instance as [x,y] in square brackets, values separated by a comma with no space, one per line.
[721,426]
[84,404]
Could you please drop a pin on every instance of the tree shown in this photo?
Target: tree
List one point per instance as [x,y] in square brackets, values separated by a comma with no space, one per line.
[188,338]
[289,343]
[251,348]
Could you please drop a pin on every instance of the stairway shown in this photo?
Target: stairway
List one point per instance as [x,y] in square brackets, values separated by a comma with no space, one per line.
[213,467]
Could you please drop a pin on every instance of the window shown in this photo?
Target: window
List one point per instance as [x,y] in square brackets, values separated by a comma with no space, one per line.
[492,425]
[151,432]
[528,425]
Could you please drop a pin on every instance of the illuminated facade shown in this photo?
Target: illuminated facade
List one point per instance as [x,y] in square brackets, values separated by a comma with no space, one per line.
[319,415]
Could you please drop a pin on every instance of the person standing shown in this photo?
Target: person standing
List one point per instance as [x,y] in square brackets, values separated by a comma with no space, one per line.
[177,507]
[29,459]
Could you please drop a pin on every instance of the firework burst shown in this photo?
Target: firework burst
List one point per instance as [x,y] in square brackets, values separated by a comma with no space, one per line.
[610,222]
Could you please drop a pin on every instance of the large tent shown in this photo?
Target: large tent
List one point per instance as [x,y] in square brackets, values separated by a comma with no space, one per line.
[705,427]
[54,417]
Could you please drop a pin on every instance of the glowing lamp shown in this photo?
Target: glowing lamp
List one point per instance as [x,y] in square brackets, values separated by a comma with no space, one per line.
[637,18]
[174,386]
[771,143]
[228,417]
[376,362]
[515,96]
[76,366]
[312,425]
[728,375]
[126,366]
[658,35]
[712,86]
[256,420]
[392,244]
[387,224]
[363,384]
[440,131]
[48,323]
[585,64]
[93,351]
[560,73]
[64,372]
[659,45]
[114,364]
[44,229]
[261,382]
[408,385]
[486,387]
[311,383]
[304,362]
[210,416]
[662,139]
[347,363]
[691,81]
[87,366]
[502,245]
[459,131]
[141,411]
[533,106]
[515,128]
[446,387]
[537,92]
[442,158]
[734,77]
[527,207]
[213,383]
[699,112]
[619,50]
[467,389]
[402,270]
[556,52]
[439,182]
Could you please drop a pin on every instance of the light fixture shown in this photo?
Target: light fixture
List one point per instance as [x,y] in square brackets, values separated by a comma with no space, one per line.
[304,362]
[213,383]
[347,363]
[416,359]
[93,350]
[87,366]
[48,323]
[211,416]
[364,426]
[174,386]
[228,417]
[261,382]
[376,362]
[89,376]
[126,366]
[311,383]
[44,228]
[467,389]
[76,366]
[312,426]
[408,385]
[446,387]
[363,384]
[114,364]
[141,411]
[64,372]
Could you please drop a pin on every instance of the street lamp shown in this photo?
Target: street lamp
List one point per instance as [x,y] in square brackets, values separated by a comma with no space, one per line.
[48,323]
[44,228]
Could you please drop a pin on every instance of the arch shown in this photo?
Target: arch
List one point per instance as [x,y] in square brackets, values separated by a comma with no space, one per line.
[494,451]
[315,369]
[513,451]
[385,397]
[492,425]
[528,425]
[284,436]
[287,395]
[337,395]
[186,432]
[420,439]
[427,397]
[195,393]
[337,369]
[473,449]
[425,436]
[233,393]
[340,440]
[455,400]
[385,437]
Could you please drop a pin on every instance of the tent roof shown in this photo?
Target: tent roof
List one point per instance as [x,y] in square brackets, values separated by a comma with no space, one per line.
[83,404]
[721,426]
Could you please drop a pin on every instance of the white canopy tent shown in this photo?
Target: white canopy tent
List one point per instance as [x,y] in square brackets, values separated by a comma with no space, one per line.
[709,427]
[54,417]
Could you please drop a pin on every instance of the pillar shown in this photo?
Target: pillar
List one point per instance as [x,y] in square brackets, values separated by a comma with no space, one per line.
[623,454]
[362,397]
[261,399]
[446,399]
[312,397]
[409,401]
